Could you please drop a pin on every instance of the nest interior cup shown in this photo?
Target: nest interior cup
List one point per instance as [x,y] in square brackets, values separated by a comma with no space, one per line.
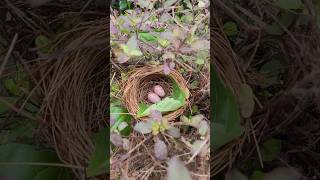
[141,81]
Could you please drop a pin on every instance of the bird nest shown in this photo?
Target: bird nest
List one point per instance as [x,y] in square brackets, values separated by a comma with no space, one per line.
[73,83]
[141,81]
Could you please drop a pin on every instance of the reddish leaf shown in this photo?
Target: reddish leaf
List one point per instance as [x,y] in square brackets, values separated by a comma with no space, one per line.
[160,150]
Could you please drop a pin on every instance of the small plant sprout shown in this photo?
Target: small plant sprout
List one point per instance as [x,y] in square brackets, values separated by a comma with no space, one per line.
[155,124]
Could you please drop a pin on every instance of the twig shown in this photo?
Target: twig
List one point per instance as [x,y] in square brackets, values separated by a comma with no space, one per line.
[234,15]
[256,142]
[40,164]
[5,61]
[198,151]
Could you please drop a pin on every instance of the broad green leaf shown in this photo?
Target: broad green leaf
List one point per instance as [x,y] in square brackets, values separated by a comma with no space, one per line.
[225,113]
[18,153]
[177,170]
[271,149]
[246,100]
[99,161]
[230,28]
[166,105]
[169,3]
[288,4]
[148,37]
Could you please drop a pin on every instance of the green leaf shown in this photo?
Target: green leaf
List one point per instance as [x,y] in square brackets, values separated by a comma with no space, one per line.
[166,105]
[273,69]
[123,4]
[15,153]
[246,100]
[19,80]
[163,42]
[288,4]
[225,111]
[169,3]
[146,4]
[257,175]
[188,4]
[200,61]
[4,107]
[131,48]
[203,128]
[120,115]
[271,149]
[99,161]
[23,128]
[230,28]
[148,37]
[42,43]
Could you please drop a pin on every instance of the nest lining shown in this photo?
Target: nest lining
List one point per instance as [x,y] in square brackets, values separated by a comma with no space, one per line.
[141,81]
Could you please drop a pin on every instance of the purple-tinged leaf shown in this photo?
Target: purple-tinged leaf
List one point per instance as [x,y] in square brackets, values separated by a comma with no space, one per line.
[172,65]
[113,29]
[174,132]
[116,139]
[185,50]
[156,115]
[112,121]
[177,170]
[126,144]
[166,68]
[160,150]
[143,127]
[123,58]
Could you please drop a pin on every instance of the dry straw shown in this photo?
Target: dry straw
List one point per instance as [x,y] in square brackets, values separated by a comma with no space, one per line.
[73,82]
[142,80]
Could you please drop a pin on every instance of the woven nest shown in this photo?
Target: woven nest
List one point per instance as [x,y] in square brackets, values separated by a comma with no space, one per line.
[141,81]
[226,64]
[73,84]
